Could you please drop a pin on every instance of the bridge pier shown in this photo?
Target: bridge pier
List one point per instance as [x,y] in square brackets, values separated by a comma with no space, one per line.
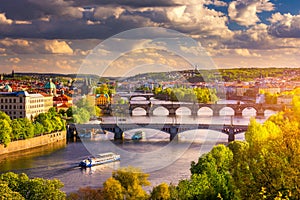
[119,134]
[260,113]
[173,132]
[231,136]
[172,112]
[238,112]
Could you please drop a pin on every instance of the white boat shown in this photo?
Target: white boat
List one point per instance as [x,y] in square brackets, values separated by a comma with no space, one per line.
[100,159]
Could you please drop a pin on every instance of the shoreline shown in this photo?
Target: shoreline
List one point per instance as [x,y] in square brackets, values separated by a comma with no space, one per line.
[21,145]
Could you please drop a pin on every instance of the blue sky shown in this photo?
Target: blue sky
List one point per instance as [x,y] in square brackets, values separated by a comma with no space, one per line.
[58,35]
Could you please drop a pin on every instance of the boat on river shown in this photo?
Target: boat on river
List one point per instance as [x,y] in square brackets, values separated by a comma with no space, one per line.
[138,135]
[100,159]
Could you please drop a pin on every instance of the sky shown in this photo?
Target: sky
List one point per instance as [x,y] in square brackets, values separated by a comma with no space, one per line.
[124,36]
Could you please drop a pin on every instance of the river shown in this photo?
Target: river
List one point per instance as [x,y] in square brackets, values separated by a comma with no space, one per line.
[165,161]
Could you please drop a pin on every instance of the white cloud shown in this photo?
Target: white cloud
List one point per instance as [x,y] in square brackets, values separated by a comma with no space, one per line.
[4,20]
[103,13]
[244,12]
[55,46]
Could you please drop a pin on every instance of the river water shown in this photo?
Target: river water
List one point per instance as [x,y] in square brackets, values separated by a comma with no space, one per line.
[164,160]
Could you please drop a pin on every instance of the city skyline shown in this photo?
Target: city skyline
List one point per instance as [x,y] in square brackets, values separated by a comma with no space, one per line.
[57,36]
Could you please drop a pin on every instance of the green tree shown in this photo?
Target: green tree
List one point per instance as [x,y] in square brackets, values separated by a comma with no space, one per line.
[211,176]
[7,193]
[132,181]
[16,129]
[160,192]
[4,116]
[5,132]
[112,189]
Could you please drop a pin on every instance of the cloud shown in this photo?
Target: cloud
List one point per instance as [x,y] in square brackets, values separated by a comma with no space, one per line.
[246,53]
[285,25]
[244,12]
[14,60]
[4,20]
[23,46]
[73,19]
[55,46]
[216,3]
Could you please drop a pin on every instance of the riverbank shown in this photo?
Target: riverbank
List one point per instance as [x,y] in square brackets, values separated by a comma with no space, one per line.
[42,140]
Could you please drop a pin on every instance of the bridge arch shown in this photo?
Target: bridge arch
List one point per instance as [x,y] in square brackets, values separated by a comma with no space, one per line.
[205,111]
[139,111]
[160,110]
[183,110]
[138,98]
[226,110]
[249,111]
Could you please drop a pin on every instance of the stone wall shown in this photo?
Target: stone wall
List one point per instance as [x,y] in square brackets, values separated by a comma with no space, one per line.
[33,142]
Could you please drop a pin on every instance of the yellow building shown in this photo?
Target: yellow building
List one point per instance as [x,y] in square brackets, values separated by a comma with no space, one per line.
[102,99]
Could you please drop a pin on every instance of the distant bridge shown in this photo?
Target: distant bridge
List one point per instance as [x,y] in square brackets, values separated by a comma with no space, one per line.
[172,129]
[149,106]
[194,108]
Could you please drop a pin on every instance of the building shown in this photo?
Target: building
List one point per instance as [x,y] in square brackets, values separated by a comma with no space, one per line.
[102,99]
[285,99]
[50,88]
[271,90]
[62,102]
[22,104]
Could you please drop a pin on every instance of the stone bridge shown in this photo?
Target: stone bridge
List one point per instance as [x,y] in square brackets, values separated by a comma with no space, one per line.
[194,107]
[172,129]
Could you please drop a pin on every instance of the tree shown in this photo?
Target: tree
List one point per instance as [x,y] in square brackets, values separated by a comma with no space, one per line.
[16,129]
[86,193]
[211,177]
[160,192]
[7,193]
[39,188]
[34,189]
[4,116]
[131,180]
[112,189]
[5,132]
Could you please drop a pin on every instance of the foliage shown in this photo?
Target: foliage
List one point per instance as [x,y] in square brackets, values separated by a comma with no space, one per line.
[87,193]
[200,95]
[23,128]
[105,89]
[7,193]
[5,132]
[160,192]
[210,176]
[51,121]
[23,187]
[113,189]
[131,181]
[85,109]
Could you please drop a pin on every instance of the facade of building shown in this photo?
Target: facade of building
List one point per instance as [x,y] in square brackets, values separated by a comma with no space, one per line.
[22,104]
[285,99]
[102,99]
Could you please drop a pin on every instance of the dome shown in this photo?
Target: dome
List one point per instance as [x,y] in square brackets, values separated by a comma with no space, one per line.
[50,85]
[8,88]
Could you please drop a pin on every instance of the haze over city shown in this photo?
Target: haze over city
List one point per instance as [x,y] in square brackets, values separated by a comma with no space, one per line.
[56,36]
